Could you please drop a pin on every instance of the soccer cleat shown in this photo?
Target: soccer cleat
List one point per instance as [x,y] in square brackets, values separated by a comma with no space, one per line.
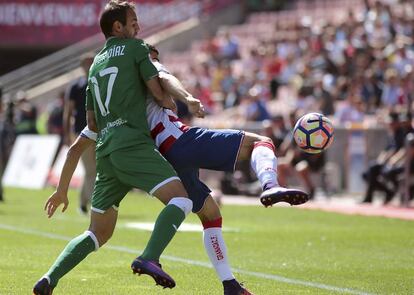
[233,287]
[152,268]
[280,194]
[42,287]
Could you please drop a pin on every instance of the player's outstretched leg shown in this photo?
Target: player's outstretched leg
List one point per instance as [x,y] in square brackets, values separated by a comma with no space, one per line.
[152,268]
[264,163]
[43,287]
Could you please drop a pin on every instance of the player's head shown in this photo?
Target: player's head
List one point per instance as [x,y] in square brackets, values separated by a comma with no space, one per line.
[119,19]
[154,53]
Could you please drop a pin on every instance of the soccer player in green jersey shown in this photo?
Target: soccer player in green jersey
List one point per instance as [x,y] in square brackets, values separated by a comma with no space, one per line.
[126,155]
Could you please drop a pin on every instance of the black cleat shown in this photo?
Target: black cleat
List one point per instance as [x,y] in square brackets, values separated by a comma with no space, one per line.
[280,194]
[42,287]
[152,268]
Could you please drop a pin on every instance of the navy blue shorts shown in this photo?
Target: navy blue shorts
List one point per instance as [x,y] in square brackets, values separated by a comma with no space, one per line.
[206,149]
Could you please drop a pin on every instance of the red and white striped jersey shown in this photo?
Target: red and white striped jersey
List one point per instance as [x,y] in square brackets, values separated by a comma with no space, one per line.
[164,125]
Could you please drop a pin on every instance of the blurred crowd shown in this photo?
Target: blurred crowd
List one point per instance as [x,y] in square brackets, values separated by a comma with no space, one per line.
[362,65]
[351,60]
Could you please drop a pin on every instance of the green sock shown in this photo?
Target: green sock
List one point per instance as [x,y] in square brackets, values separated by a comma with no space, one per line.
[165,228]
[72,255]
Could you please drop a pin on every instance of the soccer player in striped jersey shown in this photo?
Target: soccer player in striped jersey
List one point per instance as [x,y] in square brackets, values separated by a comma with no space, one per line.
[189,149]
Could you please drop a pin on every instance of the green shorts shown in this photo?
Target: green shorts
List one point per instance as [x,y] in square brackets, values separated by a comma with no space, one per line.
[139,166]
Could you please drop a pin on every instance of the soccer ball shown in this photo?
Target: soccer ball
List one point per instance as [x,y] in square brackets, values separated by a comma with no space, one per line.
[313,133]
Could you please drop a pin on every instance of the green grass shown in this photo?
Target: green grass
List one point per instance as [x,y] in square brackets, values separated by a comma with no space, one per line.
[366,254]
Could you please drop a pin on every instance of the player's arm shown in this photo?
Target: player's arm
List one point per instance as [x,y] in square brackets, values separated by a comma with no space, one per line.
[175,88]
[60,196]
[159,95]
[149,73]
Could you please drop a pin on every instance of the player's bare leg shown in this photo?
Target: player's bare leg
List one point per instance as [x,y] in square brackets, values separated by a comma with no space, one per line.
[178,205]
[215,246]
[101,228]
[261,152]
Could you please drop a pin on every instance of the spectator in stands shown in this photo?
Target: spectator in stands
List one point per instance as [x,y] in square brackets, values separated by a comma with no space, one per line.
[204,95]
[305,102]
[229,47]
[407,183]
[7,136]
[275,129]
[383,168]
[2,147]
[352,109]
[273,67]
[256,109]
[324,100]
[26,115]
[55,118]
[370,92]
[391,95]
[74,120]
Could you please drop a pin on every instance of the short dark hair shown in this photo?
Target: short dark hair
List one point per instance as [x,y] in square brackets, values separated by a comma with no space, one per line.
[152,48]
[115,10]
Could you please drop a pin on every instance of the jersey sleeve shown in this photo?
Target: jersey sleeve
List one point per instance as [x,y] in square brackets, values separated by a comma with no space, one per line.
[142,58]
[89,99]
[87,133]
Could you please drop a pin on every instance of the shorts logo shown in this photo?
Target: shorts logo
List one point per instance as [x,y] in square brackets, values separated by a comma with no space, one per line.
[216,247]
[175,227]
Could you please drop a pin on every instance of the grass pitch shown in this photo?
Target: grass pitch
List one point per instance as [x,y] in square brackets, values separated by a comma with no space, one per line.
[276,250]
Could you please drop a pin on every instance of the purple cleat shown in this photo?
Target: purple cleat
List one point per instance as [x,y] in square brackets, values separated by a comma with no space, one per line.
[280,194]
[152,268]
[42,287]
[233,287]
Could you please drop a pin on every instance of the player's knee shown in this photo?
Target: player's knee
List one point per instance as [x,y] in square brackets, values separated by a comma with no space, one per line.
[185,204]
[102,235]
[265,139]
[94,239]
[210,211]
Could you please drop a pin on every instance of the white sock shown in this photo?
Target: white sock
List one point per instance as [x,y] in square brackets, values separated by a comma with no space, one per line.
[216,249]
[264,163]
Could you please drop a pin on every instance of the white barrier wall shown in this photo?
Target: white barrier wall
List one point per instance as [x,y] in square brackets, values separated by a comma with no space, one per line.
[30,161]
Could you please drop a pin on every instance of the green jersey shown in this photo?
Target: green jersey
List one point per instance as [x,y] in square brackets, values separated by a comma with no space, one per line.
[117,93]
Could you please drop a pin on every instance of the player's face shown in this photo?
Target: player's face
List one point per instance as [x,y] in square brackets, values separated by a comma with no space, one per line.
[131,28]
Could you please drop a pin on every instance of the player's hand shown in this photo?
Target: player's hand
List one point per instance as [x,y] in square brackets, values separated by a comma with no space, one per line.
[54,201]
[195,107]
[169,103]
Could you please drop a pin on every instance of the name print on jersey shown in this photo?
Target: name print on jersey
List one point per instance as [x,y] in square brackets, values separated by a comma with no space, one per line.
[112,52]
[116,51]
